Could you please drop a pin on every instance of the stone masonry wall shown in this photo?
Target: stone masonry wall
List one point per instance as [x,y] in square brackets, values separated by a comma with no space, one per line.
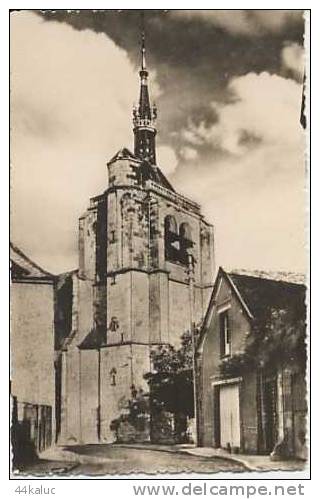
[89,396]
[122,367]
[137,298]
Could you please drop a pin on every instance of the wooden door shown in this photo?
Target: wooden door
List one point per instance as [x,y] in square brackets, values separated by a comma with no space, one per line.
[229,416]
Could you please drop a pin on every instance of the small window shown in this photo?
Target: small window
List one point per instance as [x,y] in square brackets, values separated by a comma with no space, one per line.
[113,374]
[112,236]
[225,336]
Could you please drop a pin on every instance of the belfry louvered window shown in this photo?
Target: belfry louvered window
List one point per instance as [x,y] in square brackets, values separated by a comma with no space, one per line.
[186,243]
[171,239]
[178,242]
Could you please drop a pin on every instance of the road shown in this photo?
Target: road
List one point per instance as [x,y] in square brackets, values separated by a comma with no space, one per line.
[120,460]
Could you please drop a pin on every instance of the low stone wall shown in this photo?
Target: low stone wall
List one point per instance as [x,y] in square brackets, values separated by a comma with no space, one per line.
[129,430]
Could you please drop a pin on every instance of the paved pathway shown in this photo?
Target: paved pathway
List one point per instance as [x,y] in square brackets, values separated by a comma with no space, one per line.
[104,459]
[124,459]
[250,462]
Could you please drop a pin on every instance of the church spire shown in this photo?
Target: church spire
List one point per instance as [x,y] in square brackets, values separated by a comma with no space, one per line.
[143,51]
[144,117]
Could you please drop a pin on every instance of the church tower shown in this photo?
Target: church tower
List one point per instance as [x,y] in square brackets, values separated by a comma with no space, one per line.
[131,291]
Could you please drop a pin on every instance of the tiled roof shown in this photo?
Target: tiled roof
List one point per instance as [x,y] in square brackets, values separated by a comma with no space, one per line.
[146,171]
[23,267]
[262,294]
[149,172]
[123,153]
[285,276]
[258,296]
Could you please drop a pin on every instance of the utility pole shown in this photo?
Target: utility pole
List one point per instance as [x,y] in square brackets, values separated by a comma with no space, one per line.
[192,330]
[99,397]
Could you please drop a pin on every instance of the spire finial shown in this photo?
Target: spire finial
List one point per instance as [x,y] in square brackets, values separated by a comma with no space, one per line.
[143,44]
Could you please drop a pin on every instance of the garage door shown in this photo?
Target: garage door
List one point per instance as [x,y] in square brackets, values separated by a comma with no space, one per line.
[229,416]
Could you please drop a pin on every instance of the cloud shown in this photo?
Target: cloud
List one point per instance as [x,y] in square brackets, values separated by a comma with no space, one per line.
[293,58]
[166,159]
[253,116]
[72,95]
[195,136]
[275,20]
[188,153]
[244,22]
[253,191]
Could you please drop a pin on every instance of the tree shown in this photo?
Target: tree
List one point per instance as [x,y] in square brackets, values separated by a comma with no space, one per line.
[277,339]
[170,391]
[171,380]
[133,423]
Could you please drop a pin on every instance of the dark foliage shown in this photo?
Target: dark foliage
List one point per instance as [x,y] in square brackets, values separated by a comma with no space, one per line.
[279,339]
[136,412]
[171,379]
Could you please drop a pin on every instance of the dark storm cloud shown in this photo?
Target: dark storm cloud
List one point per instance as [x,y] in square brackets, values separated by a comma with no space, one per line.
[229,98]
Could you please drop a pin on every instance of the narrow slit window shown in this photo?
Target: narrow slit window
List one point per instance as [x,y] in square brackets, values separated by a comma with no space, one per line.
[112,236]
[113,374]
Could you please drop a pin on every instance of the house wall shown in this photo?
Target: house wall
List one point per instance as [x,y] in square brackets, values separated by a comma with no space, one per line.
[272,401]
[300,412]
[249,413]
[32,360]
[292,411]
[32,343]
[239,327]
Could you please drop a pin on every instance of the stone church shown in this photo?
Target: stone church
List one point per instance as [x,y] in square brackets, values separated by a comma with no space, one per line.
[132,289]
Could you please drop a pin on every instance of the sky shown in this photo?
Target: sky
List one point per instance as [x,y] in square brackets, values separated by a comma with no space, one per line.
[228,87]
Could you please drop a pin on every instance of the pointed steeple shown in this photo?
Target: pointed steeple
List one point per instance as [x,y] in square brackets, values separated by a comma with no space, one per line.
[144,117]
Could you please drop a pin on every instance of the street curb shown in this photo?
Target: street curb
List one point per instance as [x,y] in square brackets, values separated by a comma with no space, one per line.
[187,451]
[54,472]
[232,459]
[245,463]
[73,457]
[79,459]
